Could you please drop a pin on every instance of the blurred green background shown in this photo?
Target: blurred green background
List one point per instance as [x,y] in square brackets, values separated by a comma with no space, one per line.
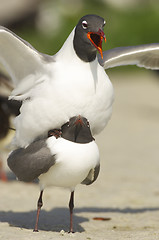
[47,23]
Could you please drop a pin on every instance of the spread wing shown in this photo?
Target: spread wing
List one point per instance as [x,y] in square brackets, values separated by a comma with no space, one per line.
[23,63]
[28,163]
[146,56]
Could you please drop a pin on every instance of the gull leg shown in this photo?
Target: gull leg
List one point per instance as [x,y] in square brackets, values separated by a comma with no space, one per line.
[71,206]
[3,175]
[39,205]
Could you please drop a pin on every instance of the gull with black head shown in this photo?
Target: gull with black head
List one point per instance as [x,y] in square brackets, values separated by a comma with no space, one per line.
[63,161]
[73,81]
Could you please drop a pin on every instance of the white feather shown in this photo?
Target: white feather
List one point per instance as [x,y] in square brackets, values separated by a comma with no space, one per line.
[67,87]
[73,163]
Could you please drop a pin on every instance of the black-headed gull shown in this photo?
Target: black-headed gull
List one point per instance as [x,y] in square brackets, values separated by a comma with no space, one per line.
[73,81]
[65,161]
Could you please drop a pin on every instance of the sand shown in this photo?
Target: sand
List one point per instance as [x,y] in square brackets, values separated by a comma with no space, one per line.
[127,190]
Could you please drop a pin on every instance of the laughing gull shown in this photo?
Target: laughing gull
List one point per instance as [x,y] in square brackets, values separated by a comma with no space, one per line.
[73,81]
[64,161]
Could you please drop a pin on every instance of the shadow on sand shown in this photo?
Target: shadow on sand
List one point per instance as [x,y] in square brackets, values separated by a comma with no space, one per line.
[58,218]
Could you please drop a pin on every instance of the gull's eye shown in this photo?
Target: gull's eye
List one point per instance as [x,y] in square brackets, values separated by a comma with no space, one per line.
[84,24]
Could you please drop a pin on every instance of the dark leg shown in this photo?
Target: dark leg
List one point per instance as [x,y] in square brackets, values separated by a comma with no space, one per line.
[3,175]
[39,205]
[71,206]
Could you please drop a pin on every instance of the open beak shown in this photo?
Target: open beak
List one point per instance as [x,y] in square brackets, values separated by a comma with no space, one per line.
[96,39]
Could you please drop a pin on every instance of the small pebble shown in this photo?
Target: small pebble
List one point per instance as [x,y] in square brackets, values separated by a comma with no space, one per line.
[62,232]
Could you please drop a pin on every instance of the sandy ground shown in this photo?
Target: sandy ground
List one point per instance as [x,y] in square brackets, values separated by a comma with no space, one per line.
[127,190]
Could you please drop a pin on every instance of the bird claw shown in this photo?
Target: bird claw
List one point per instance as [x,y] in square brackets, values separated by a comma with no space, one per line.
[54,132]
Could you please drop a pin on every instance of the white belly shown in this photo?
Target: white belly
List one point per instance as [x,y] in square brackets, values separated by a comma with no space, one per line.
[54,102]
[73,163]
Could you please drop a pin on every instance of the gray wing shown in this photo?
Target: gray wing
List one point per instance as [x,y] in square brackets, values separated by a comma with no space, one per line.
[23,63]
[28,163]
[92,176]
[146,56]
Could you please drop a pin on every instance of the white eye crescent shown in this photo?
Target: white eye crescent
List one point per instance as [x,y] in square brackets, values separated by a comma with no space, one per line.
[88,124]
[104,23]
[84,24]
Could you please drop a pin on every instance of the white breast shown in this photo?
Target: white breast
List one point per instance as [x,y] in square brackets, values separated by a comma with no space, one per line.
[71,87]
[73,163]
